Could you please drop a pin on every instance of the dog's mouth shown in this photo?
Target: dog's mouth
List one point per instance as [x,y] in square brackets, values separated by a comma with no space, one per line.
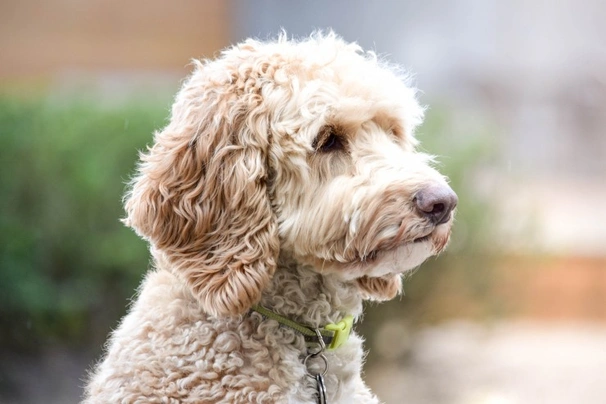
[422,239]
[393,256]
[428,234]
[372,256]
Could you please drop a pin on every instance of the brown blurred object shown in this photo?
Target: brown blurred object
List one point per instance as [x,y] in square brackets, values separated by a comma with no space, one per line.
[548,289]
[40,38]
[556,288]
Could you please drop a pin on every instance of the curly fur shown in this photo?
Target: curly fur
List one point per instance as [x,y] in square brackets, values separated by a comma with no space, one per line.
[240,205]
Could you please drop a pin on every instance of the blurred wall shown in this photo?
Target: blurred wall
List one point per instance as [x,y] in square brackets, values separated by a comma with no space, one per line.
[45,38]
[527,76]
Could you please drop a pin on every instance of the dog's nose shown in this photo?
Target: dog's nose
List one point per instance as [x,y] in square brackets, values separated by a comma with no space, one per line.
[436,202]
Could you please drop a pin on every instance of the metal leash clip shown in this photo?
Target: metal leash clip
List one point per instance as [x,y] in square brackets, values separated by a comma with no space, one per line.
[318,377]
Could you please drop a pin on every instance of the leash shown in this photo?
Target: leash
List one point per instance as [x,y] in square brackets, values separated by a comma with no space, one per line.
[332,336]
[329,337]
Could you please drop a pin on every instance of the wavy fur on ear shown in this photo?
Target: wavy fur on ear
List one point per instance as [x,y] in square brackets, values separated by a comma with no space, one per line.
[200,196]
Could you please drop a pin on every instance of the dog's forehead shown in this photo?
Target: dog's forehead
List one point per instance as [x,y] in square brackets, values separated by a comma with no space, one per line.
[351,88]
[310,83]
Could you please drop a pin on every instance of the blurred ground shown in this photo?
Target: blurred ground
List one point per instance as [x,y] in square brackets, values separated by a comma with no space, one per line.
[53,376]
[457,362]
[504,363]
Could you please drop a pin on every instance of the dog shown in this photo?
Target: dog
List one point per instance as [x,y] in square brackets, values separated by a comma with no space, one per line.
[285,190]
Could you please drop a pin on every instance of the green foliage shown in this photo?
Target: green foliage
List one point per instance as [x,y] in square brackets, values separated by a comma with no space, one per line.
[67,264]
[451,285]
[66,261]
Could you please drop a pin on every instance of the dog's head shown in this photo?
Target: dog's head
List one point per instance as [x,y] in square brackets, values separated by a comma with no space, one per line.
[301,147]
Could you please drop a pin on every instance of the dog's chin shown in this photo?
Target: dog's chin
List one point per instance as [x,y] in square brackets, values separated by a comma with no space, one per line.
[384,263]
[398,260]
[402,258]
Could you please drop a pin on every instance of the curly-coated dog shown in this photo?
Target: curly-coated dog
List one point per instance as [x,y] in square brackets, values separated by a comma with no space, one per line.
[284,191]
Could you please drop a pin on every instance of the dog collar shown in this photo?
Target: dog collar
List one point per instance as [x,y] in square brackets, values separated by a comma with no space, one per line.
[333,335]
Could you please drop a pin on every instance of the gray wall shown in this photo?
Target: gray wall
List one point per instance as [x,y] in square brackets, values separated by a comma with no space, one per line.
[535,70]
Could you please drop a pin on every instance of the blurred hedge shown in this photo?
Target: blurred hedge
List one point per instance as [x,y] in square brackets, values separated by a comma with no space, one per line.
[459,283]
[66,261]
[68,265]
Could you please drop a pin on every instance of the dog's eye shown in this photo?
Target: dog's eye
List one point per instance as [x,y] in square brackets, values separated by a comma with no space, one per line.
[328,140]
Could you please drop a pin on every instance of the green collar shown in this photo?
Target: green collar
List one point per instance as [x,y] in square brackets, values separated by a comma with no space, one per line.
[333,335]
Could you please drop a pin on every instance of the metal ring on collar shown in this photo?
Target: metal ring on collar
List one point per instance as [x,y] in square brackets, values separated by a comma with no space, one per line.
[323,373]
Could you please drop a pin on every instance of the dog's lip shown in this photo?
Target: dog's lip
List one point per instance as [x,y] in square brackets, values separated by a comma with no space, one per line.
[374,253]
[422,239]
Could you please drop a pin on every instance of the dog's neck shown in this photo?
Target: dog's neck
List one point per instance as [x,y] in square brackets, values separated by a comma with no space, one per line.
[306,296]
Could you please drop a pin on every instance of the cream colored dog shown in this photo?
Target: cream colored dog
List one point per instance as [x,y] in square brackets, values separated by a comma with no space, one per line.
[287,181]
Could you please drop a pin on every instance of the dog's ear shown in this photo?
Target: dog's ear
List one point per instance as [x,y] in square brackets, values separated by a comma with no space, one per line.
[200,198]
[380,289]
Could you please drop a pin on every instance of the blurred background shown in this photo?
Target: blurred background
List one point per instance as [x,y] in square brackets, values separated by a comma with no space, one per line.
[514,312]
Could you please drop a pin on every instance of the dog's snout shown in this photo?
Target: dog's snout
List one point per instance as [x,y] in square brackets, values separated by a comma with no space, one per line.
[436,202]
